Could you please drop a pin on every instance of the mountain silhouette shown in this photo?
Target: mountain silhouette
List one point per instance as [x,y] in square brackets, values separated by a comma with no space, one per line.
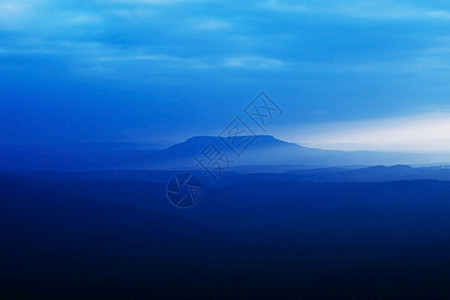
[266,150]
[262,150]
[252,154]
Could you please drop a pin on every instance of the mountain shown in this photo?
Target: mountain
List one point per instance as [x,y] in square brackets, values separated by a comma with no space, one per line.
[260,154]
[262,150]
[268,151]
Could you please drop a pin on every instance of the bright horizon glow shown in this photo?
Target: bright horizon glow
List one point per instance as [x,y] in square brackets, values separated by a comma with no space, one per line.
[424,133]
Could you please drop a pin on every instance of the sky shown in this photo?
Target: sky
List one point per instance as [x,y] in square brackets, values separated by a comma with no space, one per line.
[348,74]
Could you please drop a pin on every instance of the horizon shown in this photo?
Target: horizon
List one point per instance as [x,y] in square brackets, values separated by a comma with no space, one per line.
[161,145]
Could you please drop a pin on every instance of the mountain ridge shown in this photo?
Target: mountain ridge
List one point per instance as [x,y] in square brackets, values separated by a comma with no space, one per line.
[263,153]
[268,150]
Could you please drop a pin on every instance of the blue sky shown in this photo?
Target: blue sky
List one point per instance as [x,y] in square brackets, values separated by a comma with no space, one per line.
[144,70]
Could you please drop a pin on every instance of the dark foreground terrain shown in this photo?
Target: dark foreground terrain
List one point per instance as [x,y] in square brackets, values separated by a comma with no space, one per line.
[121,239]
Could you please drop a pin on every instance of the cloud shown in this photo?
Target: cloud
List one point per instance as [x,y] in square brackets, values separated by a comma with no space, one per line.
[349,59]
[12,13]
[253,62]
[155,2]
[84,19]
[206,34]
[360,9]
[286,6]
[210,24]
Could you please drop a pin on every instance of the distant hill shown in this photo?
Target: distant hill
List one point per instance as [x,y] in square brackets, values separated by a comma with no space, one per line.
[269,151]
[367,174]
[373,174]
[264,154]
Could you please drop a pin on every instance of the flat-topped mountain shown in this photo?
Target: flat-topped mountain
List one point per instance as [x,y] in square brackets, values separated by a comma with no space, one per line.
[254,153]
[266,150]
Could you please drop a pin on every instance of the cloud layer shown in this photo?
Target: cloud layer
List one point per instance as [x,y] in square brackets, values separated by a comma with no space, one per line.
[195,63]
[344,36]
